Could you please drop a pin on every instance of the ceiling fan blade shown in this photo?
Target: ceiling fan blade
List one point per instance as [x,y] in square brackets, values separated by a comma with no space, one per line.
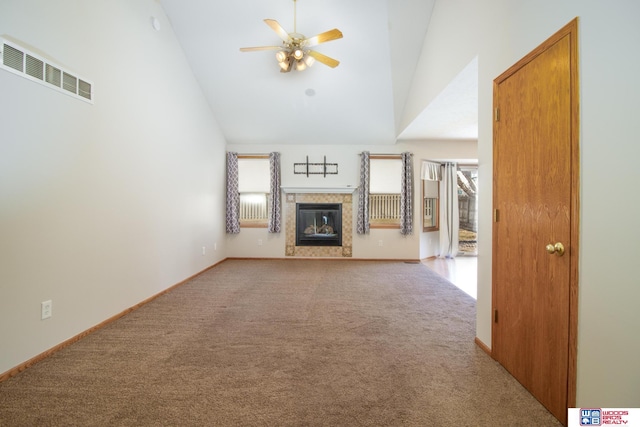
[327,36]
[278,29]
[253,49]
[324,59]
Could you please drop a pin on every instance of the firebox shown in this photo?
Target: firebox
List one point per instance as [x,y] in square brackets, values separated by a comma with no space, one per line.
[319,224]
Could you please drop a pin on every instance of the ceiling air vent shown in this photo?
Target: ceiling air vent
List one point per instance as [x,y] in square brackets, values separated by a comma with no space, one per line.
[33,67]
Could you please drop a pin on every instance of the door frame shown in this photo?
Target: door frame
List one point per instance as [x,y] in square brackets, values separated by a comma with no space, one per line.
[570,30]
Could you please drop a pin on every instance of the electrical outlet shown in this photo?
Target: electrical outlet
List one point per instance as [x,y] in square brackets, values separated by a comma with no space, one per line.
[46,308]
[259,242]
[380,243]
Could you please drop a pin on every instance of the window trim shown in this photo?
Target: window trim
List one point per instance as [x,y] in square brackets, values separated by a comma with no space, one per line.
[435,227]
[377,223]
[255,223]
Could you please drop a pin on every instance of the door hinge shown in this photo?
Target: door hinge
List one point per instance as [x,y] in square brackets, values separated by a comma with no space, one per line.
[497,114]
[496,215]
[495,316]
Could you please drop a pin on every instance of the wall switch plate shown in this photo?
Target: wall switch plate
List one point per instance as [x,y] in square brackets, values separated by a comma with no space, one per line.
[204,250]
[46,309]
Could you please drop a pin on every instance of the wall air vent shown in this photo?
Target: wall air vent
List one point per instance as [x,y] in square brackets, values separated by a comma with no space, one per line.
[13,58]
[34,67]
[69,83]
[27,64]
[53,75]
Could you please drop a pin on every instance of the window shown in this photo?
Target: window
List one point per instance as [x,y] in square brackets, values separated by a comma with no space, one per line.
[385,185]
[431,175]
[254,188]
[430,205]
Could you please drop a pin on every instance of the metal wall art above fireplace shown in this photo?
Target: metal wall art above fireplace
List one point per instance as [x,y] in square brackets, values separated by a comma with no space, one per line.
[318,224]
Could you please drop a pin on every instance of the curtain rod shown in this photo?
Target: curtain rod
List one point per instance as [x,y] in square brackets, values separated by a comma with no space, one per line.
[442,163]
[398,155]
[253,154]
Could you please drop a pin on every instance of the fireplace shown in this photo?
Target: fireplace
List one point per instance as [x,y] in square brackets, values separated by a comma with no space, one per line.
[318,224]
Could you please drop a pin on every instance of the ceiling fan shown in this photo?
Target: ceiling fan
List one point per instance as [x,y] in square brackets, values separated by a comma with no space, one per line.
[294,51]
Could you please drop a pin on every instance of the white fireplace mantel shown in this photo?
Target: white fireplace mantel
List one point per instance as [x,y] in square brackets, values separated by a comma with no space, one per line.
[329,190]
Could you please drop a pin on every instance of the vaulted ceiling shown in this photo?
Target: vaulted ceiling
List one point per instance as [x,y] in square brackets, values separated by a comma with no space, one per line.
[359,102]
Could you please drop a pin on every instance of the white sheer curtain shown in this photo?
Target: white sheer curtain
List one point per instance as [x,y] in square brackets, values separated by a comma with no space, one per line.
[449,217]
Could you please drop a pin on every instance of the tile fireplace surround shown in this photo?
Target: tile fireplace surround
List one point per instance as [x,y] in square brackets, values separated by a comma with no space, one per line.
[294,196]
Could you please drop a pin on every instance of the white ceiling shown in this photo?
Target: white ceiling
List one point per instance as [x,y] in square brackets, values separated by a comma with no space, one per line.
[359,102]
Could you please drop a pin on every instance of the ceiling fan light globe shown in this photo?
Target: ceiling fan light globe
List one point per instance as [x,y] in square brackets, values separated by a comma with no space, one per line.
[301,66]
[284,64]
[309,60]
[298,54]
[281,56]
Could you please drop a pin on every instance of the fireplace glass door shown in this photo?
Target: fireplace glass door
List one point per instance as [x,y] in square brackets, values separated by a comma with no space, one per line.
[319,224]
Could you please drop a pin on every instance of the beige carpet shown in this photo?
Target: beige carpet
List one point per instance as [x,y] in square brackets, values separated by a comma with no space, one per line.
[281,343]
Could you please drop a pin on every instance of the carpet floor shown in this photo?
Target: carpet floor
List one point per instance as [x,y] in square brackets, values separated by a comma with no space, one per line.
[281,343]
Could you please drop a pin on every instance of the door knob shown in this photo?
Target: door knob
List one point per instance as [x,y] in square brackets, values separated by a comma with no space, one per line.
[557,249]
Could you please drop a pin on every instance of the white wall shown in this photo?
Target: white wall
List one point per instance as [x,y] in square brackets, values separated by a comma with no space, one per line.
[501,32]
[104,205]
[394,246]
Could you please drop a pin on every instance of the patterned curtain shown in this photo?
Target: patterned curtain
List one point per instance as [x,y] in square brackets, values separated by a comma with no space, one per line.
[406,194]
[233,196]
[362,226]
[274,202]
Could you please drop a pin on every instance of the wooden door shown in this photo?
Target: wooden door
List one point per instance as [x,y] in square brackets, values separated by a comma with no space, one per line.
[535,205]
